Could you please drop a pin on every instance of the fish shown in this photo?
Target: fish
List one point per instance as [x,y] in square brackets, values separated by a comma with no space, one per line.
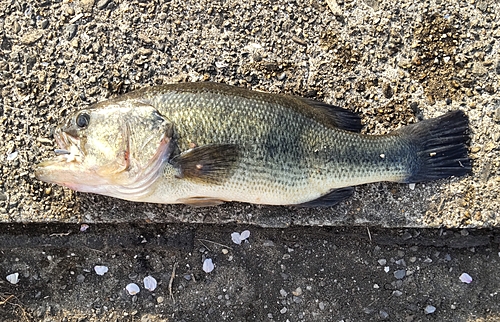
[206,143]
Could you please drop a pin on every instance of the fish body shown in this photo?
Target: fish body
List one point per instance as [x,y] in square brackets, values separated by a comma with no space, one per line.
[205,143]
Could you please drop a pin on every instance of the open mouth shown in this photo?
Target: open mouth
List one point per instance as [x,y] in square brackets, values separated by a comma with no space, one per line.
[69,147]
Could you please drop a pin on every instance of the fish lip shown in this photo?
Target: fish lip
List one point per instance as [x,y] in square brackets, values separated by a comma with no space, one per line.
[67,144]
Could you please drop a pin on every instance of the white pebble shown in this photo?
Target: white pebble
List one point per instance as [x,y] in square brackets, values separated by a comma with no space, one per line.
[100,269]
[386,269]
[84,227]
[13,278]
[244,234]
[429,309]
[150,283]
[466,278]
[12,156]
[411,186]
[208,265]
[236,237]
[132,289]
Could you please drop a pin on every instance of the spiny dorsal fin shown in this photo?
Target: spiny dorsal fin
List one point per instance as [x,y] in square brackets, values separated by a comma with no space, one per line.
[336,116]
[330,199]
[210,164]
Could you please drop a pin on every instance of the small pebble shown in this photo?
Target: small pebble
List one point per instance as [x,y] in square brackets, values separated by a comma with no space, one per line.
[321,306]
[400,274]
[101,4]
[386,269]
[208,265]
[160,299]
[12,156]
[100,269]
[382,262]
[466,278]
[44,24]
[13,278]
[150,283]
[237,238]
[297,292]
[80,278]
[17,27]
[383,314]
[70,31]
[283,310]
[429,309]
[132,289]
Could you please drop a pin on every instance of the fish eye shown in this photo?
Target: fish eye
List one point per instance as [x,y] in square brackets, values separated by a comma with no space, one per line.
[82,120]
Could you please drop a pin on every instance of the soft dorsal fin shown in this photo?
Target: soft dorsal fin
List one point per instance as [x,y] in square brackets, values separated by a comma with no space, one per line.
[336,116]
[329,199]
[210,164]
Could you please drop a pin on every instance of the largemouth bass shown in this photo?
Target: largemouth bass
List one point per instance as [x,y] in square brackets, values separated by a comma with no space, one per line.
[206,143]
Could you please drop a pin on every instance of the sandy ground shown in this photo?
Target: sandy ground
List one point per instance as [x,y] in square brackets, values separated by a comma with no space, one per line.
[393,63]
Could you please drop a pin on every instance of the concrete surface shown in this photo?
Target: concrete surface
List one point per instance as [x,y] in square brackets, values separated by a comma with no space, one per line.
[391,63]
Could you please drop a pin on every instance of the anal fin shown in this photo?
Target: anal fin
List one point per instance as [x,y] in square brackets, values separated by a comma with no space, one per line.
[332,198]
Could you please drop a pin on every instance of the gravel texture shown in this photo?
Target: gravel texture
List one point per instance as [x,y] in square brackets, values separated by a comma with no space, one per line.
[392,62]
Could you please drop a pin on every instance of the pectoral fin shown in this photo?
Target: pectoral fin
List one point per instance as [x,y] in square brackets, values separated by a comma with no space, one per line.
[210,164]
[330,199]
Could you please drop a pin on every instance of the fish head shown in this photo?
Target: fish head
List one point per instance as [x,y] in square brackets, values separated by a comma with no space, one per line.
[113,148]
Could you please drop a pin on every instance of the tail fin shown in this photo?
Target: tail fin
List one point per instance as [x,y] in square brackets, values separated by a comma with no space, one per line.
[441,149]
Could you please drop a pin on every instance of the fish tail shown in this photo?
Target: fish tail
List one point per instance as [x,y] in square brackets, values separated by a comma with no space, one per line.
[440,145]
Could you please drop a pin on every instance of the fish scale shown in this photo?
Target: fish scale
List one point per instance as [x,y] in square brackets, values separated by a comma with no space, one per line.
[277,145]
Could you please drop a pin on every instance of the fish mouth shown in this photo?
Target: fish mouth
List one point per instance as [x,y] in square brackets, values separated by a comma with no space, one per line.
[69,148]
[68,160]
